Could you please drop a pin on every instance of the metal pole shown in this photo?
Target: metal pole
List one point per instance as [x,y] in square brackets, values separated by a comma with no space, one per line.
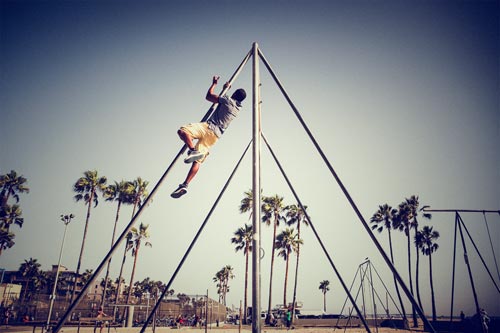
[66,220]
[193,242]
[453,270]
[350,200]
[363,290]
[206,313]
[460,211]
[146,202]
[256,322]
[311,225]
[373,296]
[466,259]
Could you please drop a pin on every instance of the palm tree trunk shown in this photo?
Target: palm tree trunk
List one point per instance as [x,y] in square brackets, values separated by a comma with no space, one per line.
[294,299]
[120,280]
[226,282]
[246,287]
[25,291]
[133,273]
[417,285]
[286,280]
[271,276]
[417,264]
[395,282]
[324,301]
[109,261]
[432,289]
[132,277]
[414,313]
[89,205]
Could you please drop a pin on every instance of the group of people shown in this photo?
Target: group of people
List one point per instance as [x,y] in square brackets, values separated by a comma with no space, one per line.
[287,319]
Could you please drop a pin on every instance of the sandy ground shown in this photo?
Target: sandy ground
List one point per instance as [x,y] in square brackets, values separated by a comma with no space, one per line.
[226,329]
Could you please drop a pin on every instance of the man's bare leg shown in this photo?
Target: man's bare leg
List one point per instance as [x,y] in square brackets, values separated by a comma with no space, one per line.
[193,154]
[188,140]
[182,189]
[192,172]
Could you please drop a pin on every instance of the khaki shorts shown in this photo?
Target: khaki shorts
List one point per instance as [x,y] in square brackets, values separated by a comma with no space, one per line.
[206,138]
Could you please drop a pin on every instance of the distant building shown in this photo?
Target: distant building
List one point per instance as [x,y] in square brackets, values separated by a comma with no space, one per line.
[66,281]
[9,292]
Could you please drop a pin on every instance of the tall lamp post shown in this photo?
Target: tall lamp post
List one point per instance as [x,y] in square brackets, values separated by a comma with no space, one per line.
[66,220]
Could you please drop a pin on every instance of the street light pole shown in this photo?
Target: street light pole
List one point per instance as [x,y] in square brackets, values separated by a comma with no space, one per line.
[147,294]
[66,220]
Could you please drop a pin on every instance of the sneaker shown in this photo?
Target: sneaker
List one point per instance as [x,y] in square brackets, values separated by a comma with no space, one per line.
[193,156]
[180,191]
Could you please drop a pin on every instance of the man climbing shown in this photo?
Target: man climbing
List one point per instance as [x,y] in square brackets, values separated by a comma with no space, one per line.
[207,133]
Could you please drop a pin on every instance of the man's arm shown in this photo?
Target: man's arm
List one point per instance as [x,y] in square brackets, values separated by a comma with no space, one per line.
[211,96]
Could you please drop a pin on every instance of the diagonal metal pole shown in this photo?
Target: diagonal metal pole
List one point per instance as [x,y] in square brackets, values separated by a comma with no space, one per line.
[491,244]
[193,242]
[460,211]
[480,255]
[466,259]
[347,290]
[139,212]
[349,198]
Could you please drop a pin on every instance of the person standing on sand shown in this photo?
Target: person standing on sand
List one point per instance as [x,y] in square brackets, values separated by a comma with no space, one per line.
[100,319]
[288,319]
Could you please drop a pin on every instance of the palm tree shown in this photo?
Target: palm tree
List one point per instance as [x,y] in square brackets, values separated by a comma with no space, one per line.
[222,278]
[86,276]
[406,223]
[228,275]
[296,215]
[324,287]
[29,269]
[109,288]
[6,239]
[40,281]
[119,192]
[139,193]
[287,242]
[218,279]
[243,238]
[10,215]
[12,185]
[86,188]
[427,244]
[273,213]
[246,204]
[138,235]
[385,218]
[413,204]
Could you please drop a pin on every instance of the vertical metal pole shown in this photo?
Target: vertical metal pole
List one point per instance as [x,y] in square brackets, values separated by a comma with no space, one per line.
[453,270]
[363,290]
[256,323]
[206,313]
[66,219]
[373,297]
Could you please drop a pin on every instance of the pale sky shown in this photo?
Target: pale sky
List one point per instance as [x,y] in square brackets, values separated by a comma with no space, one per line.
[402,97]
